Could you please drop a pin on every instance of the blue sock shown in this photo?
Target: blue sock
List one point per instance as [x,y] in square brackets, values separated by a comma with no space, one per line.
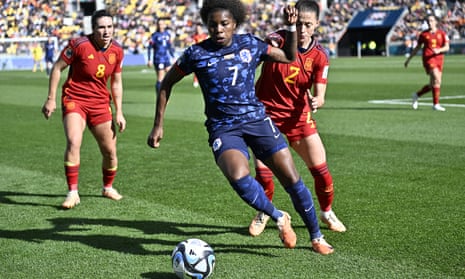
[253,194]
[157,86]
[303,204]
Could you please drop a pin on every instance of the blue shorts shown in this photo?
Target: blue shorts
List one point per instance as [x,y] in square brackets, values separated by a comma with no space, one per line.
[161,64]
[262,136]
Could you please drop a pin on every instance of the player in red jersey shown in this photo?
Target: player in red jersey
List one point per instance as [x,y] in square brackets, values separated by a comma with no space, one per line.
[434,42]
[285,89]
[198,36]
[86,101]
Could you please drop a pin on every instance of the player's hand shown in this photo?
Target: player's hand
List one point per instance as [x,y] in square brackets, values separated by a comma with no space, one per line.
[48,108]
[313,101]
[155,137]
[290,15]
[121,122]
[149,64]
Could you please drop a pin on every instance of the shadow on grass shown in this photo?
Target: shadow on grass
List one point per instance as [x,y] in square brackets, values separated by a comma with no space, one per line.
[4,198]
[122,237]
[159,275]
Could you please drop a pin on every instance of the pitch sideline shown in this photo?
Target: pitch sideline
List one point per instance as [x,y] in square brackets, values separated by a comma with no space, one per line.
[424,103]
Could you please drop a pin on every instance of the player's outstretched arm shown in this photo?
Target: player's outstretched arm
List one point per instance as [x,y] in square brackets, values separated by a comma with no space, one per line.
[156,134]
[288,52]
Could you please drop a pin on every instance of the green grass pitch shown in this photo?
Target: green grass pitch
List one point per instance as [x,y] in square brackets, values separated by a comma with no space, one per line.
[398,173]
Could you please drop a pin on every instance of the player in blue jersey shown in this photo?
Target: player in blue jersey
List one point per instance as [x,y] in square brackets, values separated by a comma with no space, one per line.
[225,65]
[163,52]
[49,54]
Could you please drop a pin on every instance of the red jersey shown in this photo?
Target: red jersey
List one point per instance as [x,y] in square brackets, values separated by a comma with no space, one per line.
[283,87]
[430,41]
[198,37]
[90,68]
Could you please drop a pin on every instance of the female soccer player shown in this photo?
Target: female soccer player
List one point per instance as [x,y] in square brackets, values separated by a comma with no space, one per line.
[285,89]
[225,65]
[86,101]
[160,45]
[434,43]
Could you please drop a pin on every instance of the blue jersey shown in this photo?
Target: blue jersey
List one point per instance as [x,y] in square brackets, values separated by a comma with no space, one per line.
[49,51]
[160,44]
[226,76]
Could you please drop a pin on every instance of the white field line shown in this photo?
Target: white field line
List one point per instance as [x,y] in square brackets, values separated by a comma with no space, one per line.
[428,103]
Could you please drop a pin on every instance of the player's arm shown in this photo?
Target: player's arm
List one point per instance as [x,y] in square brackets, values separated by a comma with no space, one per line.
[288,52]
[117,96]
[50,104]
[317,99]
[149,53]
[173,76]
[414,52]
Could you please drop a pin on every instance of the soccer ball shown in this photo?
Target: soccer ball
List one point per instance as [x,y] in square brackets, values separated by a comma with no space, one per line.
[193,258]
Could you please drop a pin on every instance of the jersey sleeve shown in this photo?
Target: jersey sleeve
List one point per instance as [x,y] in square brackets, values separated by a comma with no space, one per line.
[321,66]
[68,53]
[184,64]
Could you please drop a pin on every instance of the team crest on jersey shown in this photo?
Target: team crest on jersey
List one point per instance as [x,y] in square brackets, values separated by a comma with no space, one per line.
[217,144]
[112,58]
[308,64]
[68,52]
[245,55]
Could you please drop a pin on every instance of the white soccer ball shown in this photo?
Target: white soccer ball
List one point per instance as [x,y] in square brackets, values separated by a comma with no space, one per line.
[193,258]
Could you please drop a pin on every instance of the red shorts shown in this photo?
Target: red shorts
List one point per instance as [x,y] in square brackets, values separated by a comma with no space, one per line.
[93,114]
[297,128]
[435,62]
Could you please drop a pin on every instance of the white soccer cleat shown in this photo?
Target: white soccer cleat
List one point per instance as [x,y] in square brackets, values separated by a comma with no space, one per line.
[438,107]
[258,224]
[112,194]
[333,223]
[72,199]
[414,101]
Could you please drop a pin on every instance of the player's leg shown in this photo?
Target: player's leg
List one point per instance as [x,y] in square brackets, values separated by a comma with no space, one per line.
[161,69]
[435,80]
[313,153]
[271,148]
[265,177]
[283,167]
[105,135]
[74,126]
[231,155]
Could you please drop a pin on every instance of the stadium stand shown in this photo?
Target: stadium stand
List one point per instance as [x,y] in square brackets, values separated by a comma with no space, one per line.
[136,18]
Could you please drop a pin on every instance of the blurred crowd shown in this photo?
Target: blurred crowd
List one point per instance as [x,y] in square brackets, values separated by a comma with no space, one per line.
[136,19]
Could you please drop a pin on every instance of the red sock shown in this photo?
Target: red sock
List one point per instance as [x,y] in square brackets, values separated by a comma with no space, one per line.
[264,176]
[424,90]
[108,177]
[72,177]
[436,93]
[323,186]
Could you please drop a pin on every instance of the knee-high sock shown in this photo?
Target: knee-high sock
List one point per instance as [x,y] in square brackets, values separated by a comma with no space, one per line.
[303,204]
[108,176]
[436,93]
[252,193]
[425,89]
[323,186]
[72,176]
[264,176]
